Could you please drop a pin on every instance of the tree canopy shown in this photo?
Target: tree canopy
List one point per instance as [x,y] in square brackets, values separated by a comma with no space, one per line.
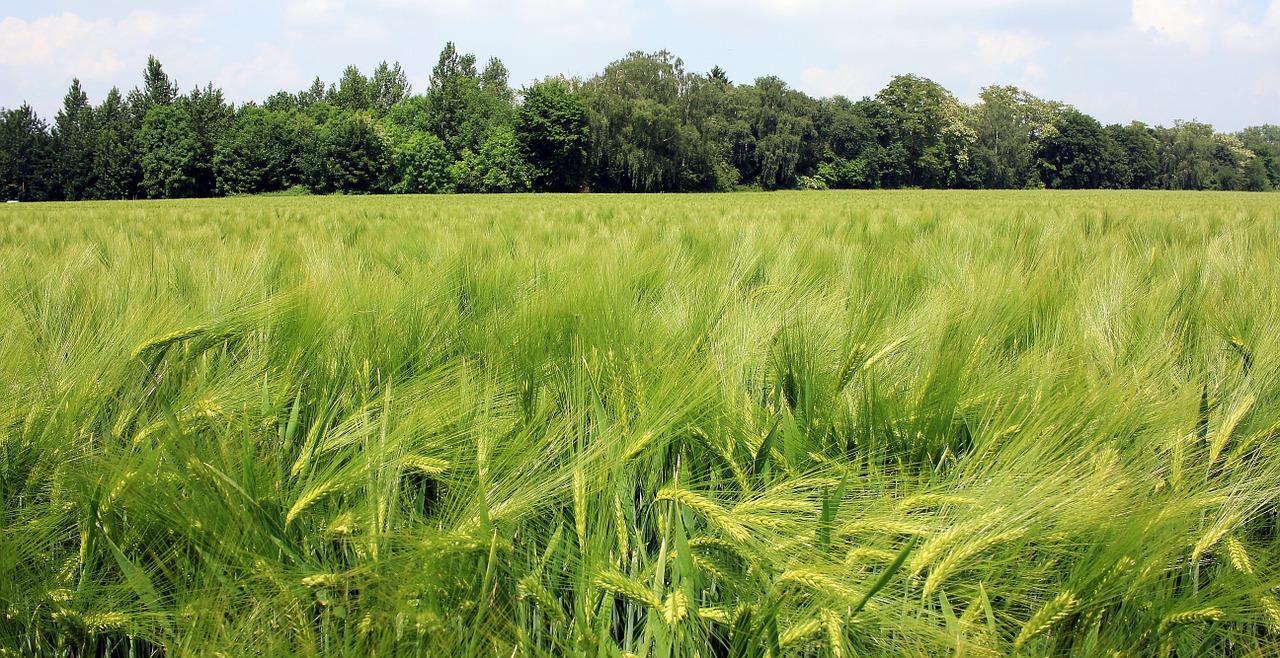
[643,124]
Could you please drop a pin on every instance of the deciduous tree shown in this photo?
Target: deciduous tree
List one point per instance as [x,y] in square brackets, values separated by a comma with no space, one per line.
[349,155]
[929,124]
[552,130]
[261,152]
[420,163]
[1081,155]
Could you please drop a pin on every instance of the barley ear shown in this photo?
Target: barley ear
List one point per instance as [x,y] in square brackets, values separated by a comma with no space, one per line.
[1044,618]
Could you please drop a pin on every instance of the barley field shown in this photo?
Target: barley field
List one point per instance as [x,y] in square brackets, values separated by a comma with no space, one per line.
[793,424]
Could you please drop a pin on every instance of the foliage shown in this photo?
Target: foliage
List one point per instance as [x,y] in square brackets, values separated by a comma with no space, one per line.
[113,155]
[644,136]
[1264,142]
[462,103]
[72,129]
[1141,154]
[349,154]
[356,93]
[177,142]
[928,122]
[1010,125]
[643,124]
[781,124]
[167,154]
[859,150]
[420,163]
[157,89]
[552,127]
[499,165]
[352,92]
[262,152]
[1080,154]
[26,156]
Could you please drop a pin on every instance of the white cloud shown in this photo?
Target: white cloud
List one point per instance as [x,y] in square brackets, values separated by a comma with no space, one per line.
[1009,48]
[66,45]
[1187,22]
[786,7]
[313,10]
[598,20]
[874,13]
[848,81]
[775,7]
[1256,36]
[1205,24]
[449,9]
[1266,85]
[270,68]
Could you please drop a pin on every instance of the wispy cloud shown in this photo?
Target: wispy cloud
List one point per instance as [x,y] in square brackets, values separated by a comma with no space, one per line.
[1009,48]
[68,45]
[314,10]
[849,81]
[1210,24]
[270,67]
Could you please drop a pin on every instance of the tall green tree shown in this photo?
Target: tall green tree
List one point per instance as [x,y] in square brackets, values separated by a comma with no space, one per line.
[262,151]
[495,83]
[1232,170]
[1081,155]
[782,125]
[177,144]
[552,128]
[453,101]
[730,129]
[157,89]
[209,117]
[27,162]
[413,114]
[1141,154]
[929,123]
[497,166]
[1264,141]
[284,101]
[353,91]
[419,163]
[857,144]
[646,127]
[168,153]
[157,145]
[388,87]
[1186,156]
[1009,125]
[113,150]
[719,76]
[1195,157]
[72,134]
[349,154]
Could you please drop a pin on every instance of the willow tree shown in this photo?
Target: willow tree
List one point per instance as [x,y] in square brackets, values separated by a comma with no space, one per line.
[646,126]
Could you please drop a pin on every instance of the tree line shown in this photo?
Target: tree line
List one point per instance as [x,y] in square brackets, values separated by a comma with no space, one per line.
[643,124]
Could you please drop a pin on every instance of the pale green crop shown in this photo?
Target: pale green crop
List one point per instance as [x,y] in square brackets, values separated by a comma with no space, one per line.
[801,424]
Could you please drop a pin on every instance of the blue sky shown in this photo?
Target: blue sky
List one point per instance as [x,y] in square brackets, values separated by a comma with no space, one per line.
[1150,60]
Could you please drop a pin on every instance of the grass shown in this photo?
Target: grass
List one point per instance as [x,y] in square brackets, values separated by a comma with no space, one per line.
[833,424]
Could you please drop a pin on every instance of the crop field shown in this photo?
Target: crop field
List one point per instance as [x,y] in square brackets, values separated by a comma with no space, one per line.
[793,424]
